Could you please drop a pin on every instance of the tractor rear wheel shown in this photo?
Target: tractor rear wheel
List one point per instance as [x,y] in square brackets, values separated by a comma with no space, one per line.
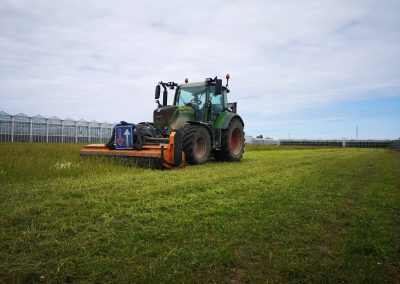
[196,144]
[232,142]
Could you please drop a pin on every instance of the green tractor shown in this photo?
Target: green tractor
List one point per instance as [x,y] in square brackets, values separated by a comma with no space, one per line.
[200,122]
[201,114]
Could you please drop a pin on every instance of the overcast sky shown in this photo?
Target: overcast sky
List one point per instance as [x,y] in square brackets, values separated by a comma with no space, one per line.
[299,69]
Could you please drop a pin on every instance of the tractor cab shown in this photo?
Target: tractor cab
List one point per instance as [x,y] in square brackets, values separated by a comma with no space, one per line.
[200,101]
[202,97]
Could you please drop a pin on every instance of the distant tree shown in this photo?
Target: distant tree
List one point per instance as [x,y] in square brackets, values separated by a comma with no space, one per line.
[260,136]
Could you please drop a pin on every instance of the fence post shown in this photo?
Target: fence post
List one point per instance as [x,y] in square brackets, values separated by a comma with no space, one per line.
[30,129]
[89,132]
[12,128]
[47,130]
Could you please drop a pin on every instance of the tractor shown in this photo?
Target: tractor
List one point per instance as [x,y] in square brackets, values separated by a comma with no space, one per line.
[198,124]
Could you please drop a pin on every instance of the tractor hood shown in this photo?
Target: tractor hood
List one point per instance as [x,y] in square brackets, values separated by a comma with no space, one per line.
[172,117]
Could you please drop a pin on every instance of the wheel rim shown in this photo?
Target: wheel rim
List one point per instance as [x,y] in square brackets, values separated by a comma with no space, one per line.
[200,147]
[236,142]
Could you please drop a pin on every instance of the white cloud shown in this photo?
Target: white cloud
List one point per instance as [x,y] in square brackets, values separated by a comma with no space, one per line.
[102,59]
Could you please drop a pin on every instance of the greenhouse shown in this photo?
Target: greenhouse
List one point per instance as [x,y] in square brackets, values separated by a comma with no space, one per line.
[22,128]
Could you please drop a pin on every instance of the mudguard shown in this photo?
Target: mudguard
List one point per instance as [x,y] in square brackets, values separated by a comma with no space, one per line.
[225,118]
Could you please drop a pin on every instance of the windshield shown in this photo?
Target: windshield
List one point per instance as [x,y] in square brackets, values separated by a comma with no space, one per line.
[193,96]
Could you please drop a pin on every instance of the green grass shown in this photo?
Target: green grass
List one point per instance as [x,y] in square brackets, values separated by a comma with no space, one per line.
[293,215]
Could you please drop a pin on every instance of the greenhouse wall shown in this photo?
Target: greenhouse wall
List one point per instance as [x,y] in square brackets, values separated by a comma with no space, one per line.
[22,128]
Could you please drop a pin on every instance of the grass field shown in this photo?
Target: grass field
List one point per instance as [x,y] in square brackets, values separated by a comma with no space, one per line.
[280,215]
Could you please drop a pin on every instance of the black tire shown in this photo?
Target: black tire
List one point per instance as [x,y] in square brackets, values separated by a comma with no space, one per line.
[232,142]
[196,144]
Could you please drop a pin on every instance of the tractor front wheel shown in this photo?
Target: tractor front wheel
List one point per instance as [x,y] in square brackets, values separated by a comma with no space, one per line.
[232,142]
[196,144]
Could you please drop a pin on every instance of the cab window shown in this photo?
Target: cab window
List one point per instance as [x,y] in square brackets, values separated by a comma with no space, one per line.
[194,97]
[218,103]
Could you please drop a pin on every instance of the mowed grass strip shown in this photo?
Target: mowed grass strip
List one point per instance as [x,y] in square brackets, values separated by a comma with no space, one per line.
[298,215]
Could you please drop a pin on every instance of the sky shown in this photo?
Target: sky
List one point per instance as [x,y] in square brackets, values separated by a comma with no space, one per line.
[299,69]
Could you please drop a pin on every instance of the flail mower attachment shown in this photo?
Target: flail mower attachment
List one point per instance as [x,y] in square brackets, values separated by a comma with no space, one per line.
[161,153]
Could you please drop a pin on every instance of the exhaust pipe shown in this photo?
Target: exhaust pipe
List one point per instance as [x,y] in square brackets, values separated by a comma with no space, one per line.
[165,96]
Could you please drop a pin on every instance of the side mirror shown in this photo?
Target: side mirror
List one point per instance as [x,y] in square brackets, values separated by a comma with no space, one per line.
[158,91]
[218,86]
[233,107]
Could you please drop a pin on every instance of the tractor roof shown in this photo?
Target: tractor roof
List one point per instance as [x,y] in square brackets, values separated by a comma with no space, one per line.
[195,84]
[199,84]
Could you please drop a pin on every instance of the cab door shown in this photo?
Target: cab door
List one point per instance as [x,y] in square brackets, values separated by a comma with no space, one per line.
[217,104]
